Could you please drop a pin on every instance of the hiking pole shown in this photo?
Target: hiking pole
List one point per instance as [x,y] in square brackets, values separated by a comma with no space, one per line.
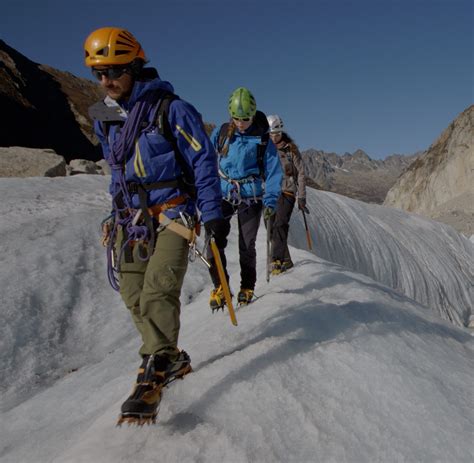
[269,248]
[223,280]
[308,235]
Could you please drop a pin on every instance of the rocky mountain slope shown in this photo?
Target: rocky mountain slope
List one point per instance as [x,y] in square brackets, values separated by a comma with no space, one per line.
[355,175]
[440,184]
[45,108]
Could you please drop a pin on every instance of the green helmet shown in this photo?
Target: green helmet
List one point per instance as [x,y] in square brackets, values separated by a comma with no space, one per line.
[242,104]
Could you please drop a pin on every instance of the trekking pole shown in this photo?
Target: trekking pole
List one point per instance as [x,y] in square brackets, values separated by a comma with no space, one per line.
[308,235]
[269,248]
[223,280]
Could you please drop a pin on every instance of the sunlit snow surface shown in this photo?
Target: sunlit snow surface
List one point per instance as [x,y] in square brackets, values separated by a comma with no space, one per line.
[426,260]
[328,365]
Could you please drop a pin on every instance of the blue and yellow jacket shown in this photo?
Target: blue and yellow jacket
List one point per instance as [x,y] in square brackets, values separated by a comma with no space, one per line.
[241,164]
[153,159]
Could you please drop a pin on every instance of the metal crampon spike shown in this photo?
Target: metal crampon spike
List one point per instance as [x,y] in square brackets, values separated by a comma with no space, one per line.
[180,376]
[136,420]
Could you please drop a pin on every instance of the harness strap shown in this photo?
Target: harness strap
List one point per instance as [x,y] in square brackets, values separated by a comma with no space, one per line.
[127,252]
[156,212]
[149,212]
[176,227]
[147,218]
[157,209]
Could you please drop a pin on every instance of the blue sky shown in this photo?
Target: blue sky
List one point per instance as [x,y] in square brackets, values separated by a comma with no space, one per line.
[386,76]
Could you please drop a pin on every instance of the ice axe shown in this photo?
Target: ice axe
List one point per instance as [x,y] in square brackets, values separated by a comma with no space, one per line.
[223,280]
[308,235]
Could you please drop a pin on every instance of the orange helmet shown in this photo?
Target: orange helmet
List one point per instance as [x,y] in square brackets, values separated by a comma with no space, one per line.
[112,46]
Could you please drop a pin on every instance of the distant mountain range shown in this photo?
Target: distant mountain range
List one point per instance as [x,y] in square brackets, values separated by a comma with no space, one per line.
[46,108]
[355,175]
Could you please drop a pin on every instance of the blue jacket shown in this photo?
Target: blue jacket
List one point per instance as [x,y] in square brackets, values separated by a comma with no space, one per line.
[153,159]
[241,163]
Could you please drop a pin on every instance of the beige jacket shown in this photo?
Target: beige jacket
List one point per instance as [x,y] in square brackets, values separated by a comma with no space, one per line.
[293,170]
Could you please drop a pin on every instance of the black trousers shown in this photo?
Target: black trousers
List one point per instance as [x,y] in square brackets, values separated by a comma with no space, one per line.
[248,218]
[281,226]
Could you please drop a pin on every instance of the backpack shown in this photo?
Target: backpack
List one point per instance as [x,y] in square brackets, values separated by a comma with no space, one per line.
[259,128]
[107,116]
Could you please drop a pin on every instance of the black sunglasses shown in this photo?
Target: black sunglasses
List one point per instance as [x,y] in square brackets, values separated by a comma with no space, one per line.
[111,73]
[244,119]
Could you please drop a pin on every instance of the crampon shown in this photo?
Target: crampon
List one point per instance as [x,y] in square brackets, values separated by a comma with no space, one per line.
[245,297]
[137,419]
[155,373]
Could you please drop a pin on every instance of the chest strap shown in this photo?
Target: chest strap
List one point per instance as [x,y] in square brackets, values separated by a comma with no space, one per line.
[134,188]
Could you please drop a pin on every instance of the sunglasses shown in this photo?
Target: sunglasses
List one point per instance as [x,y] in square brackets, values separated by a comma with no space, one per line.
[111,73]
[241,119]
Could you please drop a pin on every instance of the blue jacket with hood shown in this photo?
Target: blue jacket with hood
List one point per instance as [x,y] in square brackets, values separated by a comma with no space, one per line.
[241,163]
[153,158]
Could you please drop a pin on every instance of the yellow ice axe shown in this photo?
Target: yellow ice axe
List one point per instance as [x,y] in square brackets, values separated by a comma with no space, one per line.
[223,280]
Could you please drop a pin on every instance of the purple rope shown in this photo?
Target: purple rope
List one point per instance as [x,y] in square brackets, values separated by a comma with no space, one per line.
[119,153]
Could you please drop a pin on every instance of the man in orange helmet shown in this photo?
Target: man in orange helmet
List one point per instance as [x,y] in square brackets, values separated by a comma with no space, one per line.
[163,167]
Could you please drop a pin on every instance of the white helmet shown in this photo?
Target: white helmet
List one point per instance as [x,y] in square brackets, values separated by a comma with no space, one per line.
[275,123]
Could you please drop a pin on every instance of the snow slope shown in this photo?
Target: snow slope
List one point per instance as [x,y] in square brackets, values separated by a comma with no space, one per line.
[55,302]
[428,261]
[328,365]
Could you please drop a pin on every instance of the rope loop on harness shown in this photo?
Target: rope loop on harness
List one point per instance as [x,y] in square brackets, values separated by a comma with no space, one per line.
[233,196]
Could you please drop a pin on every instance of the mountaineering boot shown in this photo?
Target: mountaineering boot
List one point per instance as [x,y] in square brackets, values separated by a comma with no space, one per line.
[217,299]
[142,405]
[155,372]
[276,267]
[245,296]
[286,265]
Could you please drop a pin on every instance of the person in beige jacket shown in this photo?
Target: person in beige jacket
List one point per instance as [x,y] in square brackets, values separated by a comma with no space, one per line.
[293,189]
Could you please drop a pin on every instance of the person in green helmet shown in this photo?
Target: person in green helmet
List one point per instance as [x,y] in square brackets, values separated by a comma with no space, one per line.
[251,177]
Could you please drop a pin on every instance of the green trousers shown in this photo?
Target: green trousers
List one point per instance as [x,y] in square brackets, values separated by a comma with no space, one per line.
[151,292]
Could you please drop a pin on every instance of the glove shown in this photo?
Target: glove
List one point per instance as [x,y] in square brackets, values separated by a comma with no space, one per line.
[219,229]
[302,205]
[268,212]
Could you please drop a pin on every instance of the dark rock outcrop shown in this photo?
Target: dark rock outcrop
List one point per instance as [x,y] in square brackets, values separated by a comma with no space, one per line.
[17,161]
[45,108]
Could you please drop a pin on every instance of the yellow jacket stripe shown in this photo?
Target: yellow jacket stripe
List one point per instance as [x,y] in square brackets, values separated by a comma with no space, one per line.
[138,162]
[195,145]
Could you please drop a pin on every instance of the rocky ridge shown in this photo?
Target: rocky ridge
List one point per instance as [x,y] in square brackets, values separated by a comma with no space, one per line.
[440,184]
[356,175]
